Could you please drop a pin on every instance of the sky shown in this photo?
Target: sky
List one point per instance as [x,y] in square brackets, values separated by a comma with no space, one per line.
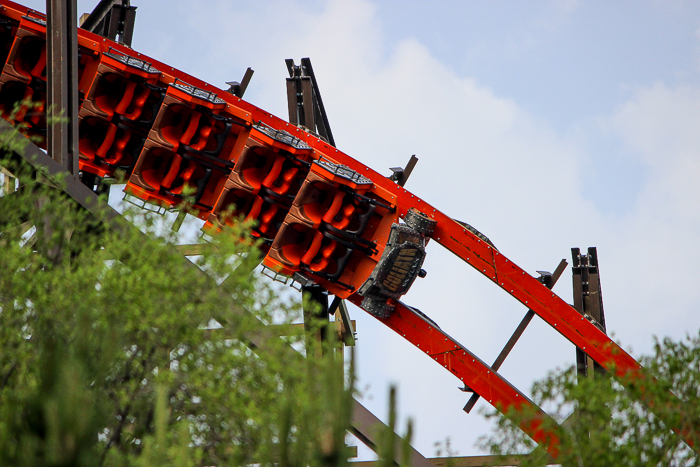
[546,125]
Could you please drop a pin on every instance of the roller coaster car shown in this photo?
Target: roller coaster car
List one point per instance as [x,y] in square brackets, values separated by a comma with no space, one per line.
[24,74]
[265,179]
[122,99]
[189,148]
[334,231]
[399,265]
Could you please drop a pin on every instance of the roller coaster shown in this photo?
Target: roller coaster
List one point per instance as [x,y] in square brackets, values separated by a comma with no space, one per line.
[321,217]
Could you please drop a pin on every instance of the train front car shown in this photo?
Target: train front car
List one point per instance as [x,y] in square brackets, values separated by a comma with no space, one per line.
[335,231]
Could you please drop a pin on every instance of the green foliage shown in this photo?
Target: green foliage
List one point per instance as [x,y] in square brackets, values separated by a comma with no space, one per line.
[390,442]
[109,355]
[623,421]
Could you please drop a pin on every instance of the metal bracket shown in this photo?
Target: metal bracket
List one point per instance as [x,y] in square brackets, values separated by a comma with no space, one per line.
[588,300]
[400,175]
[238,89]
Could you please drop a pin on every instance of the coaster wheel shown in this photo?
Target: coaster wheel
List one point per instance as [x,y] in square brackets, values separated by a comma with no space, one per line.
[420,222]
[478,234]
[377,306]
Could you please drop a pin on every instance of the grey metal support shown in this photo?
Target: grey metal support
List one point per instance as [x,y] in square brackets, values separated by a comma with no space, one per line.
[292,101]
[340,310]
[307,91]
[127,27]
[300,102]
[304,100]
[588,300]
[113,19]
[324,127]
[315,318]
[62,86]
[548,279]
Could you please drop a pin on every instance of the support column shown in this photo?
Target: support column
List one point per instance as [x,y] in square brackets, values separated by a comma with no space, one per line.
[304,100]
[316,320]
[588,300]
[62,86]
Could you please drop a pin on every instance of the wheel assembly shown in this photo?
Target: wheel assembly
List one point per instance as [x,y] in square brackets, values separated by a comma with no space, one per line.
[377,307]
[478,234]
[420,222]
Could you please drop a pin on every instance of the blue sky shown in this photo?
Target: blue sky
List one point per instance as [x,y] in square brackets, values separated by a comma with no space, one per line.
[565,62]
[547,125]
[559,60]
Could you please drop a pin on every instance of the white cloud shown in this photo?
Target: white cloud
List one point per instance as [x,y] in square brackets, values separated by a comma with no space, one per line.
[661,125]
